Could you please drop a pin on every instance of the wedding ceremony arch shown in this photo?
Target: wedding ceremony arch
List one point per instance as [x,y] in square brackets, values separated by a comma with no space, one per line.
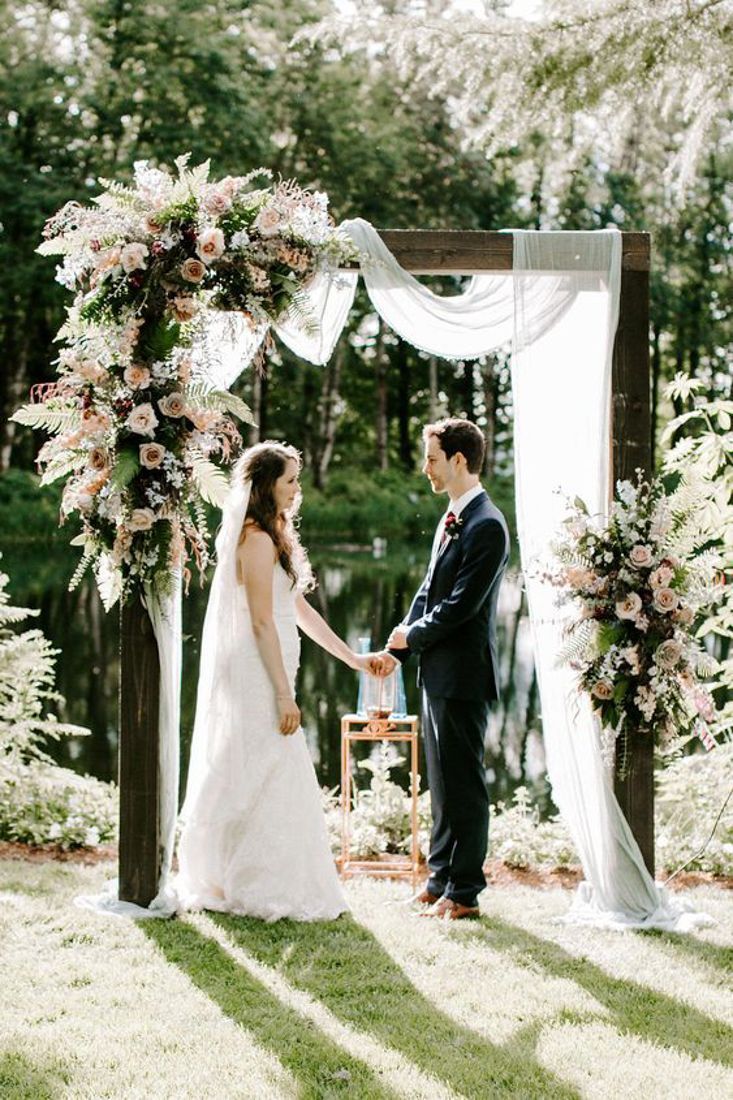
[419,252]
[572,306]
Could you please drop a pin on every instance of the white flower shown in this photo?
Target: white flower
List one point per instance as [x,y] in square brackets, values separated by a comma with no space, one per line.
[268,221]
[210,244]
[646,701]
[665,599]
[132,257]
[630,654]
[640,556]
[661,577]
[136,376]
[142,420]
[142,519]
[240,239]
[91,837]
[193,270]
[629,607]
[151,455]
[173,404]
[55,831]
[668,654]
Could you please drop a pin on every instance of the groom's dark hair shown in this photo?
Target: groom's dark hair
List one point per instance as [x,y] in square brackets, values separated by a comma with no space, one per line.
[454,435]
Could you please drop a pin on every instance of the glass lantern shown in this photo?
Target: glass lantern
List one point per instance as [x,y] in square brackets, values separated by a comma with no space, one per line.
[380,696]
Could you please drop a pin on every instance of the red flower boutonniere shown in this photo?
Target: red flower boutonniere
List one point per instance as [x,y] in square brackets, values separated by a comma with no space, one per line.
[452,526]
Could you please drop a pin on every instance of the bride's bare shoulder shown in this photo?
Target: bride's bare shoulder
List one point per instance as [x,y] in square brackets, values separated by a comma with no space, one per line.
[256,550]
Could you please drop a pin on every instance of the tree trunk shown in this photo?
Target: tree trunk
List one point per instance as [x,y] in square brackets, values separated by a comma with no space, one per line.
[468,389]
[14,391]
[403,406]
[382,426]
[259,406]
[330,398]
[488,379]
[433,376]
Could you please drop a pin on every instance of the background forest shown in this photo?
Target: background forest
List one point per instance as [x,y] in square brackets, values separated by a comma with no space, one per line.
[412,114]
[89,86]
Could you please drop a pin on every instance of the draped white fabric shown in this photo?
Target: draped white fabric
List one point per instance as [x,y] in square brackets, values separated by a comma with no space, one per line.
[560,308]
[562,401]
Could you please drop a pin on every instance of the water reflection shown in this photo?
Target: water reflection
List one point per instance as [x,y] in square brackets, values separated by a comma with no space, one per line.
[358,594]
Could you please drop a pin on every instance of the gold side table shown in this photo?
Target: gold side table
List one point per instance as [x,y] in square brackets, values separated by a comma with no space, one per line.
[359,727]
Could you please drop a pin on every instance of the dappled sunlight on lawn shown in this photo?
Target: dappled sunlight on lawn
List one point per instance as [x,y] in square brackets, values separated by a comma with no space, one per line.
[380,1003]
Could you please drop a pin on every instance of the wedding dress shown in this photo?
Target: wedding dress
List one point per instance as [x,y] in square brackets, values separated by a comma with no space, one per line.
[254,838]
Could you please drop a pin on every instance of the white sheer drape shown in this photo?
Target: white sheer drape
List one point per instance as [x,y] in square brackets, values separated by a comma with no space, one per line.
[560,308]
[562,399]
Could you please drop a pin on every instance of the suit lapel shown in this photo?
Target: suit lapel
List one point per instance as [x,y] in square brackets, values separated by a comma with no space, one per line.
[463,517]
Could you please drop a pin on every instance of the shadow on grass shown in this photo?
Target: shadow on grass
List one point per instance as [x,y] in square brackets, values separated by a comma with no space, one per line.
[321,1067]
[20,1079]
[347,970]
[637,1009]
[715,955]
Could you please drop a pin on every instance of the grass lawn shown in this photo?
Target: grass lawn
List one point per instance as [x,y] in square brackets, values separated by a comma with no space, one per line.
[379,1004]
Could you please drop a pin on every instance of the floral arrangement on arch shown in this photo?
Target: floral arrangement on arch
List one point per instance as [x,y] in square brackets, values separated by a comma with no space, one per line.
[135,424]
[640,582]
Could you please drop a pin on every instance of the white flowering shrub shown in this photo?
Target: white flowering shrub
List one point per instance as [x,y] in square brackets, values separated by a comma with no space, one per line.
[39,801]
[691,792]
[519,838]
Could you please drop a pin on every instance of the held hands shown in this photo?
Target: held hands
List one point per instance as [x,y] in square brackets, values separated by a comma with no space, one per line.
[376,664]
[289,712]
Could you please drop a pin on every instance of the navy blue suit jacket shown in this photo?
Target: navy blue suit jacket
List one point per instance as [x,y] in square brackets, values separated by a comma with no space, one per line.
[452,619]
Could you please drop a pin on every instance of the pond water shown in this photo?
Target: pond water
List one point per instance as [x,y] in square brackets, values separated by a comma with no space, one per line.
[359,594]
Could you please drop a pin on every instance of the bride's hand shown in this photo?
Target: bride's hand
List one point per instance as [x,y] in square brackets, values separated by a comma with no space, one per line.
[289,714]
[376,664]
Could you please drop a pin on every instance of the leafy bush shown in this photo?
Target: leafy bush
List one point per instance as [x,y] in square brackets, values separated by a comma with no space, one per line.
[691,792]
[39,801]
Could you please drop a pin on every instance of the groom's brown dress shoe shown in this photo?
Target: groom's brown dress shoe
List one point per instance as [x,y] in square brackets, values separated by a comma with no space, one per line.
[448,909]
[426,898]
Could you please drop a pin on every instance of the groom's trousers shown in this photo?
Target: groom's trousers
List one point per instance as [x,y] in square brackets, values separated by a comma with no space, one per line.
[453,735]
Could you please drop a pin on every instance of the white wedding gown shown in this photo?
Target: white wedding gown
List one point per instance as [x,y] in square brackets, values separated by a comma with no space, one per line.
[254,838]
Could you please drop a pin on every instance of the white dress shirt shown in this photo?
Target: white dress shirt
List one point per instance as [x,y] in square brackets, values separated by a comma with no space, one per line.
[456,507]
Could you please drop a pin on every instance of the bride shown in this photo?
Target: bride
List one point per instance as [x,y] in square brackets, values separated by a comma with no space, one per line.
[254,838]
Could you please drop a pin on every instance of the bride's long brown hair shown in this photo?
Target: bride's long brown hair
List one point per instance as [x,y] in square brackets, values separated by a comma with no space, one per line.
[263,464]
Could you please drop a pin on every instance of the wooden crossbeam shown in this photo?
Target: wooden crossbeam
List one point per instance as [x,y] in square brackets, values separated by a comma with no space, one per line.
[467,252]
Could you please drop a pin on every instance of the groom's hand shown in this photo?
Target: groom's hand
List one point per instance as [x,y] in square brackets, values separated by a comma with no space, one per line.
[381,664]
[398,638]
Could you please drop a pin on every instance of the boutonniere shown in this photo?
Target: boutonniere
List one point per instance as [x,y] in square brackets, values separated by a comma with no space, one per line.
[452,526]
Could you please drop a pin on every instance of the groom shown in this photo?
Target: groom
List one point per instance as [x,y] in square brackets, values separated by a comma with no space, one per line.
[451,628]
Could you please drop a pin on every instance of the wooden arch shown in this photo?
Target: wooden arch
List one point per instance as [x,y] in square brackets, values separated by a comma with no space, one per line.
[422,252]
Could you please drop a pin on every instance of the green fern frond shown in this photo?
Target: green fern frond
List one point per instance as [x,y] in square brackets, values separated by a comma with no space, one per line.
[78,574]
[221,400]
[210,481]
[580,643]
[60,466]
[125,469]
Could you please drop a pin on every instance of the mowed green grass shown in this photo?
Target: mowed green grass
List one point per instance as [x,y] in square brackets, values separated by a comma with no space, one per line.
[380,1003]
